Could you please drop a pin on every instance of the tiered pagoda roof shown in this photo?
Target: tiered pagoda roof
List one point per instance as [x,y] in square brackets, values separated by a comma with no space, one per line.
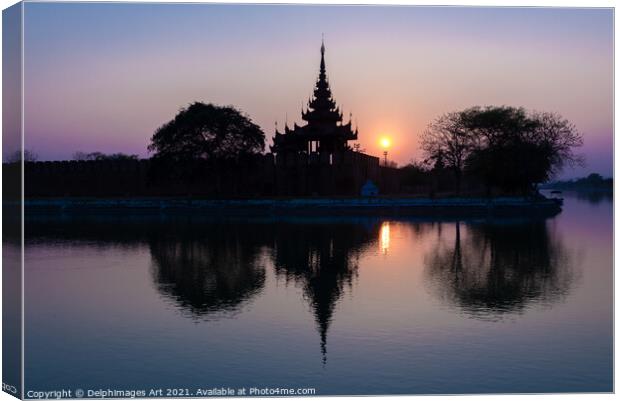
[324,123]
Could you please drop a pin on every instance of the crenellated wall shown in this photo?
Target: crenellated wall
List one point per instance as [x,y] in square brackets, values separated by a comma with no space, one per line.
[266,175]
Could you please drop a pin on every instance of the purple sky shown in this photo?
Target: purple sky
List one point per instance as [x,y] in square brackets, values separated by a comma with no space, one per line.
[103,77]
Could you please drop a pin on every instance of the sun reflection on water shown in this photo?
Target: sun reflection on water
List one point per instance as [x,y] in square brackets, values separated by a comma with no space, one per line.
[385,237]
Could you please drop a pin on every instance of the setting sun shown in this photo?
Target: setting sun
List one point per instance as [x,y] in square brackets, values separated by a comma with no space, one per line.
[385,142]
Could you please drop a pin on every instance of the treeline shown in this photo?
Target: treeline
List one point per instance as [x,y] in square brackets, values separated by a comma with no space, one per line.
[30,156]
[98,156]
[591,182]
[503,150]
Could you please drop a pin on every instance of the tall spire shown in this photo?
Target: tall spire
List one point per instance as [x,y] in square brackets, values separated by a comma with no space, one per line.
[322,108]
[322,71]
[324,121]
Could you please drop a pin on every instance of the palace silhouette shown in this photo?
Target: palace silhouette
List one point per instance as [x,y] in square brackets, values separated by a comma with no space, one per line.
[314,159]
[324,131]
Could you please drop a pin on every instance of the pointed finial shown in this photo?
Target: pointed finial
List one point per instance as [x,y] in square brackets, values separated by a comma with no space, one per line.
[322,43]
[322,69]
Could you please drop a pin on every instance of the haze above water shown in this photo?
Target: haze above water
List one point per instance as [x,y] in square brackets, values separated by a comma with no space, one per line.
[347,306]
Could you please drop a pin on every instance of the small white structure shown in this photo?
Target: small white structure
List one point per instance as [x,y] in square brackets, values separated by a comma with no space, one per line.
[369,189]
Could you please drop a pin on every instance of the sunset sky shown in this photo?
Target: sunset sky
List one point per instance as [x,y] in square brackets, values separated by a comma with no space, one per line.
[103,77]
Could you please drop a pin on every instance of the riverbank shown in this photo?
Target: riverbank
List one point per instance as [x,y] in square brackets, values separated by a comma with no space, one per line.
[302,206]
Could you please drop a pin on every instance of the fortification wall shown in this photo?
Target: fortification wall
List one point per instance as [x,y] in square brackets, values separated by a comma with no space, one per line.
[267,175]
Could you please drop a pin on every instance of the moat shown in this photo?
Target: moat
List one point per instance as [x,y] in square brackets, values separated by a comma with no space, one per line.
[346,305]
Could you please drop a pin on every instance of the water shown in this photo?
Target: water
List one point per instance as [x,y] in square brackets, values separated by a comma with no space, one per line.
[345,306]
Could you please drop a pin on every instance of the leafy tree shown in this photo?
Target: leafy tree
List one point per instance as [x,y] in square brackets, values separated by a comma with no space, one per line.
[515,150]
[511,166]
[207,132]
[506,147]
[494,125]
[415,174]
[203,140]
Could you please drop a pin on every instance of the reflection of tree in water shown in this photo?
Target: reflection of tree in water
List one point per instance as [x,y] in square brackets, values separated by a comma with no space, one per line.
[595,197]
[215,269]
[323,260]
[493,268]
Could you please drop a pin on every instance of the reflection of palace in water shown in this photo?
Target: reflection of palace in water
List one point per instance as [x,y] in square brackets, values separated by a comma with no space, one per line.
[487,269]
[323,260]
[210,268]
[216,270]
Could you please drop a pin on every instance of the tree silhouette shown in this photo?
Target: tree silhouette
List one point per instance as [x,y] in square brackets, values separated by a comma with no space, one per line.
[98,156]
[497,268]
[207,132]
[16,157]
[505,147]
[593,181]
[515,150]
[448,142]
[209,269]
[203,140]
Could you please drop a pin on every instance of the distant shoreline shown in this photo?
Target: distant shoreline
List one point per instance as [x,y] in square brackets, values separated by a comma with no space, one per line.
[300,206]
[577,189]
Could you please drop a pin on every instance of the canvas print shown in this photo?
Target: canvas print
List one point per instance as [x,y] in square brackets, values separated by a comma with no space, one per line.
[303,200]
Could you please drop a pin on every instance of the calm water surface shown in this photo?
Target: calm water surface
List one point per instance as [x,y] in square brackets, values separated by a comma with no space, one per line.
[347,306]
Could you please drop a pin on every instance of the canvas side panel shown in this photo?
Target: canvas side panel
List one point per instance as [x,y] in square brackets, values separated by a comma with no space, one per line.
[12,246]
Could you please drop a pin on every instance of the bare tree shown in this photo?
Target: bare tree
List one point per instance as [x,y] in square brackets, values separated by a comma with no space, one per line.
[16,157]
[561,136]
[448,142]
